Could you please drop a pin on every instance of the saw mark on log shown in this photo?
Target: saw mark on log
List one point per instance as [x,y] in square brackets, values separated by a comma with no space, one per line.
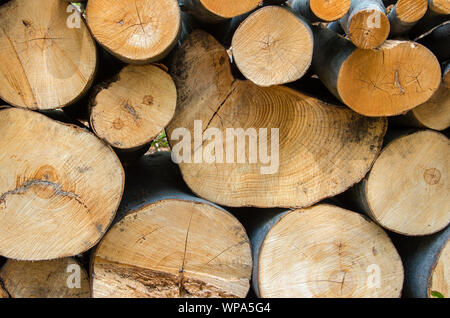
[56,188]
[225,250]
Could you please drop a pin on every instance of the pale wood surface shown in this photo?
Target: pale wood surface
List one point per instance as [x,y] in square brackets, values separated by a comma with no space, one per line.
[407,189]
[132,109]
[326,251]
[324,149]
[45,64]
[441,274]
[173,248]
[60,187]
[269,53]
[138,31]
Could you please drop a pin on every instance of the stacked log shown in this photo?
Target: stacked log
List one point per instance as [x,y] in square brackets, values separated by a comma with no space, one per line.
[300,174]
[53,177]
[130,110]
[46,63]
[168,243]
[60,278]
[407,190]
[301,253]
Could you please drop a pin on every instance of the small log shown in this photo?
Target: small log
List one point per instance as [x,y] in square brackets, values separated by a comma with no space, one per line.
[137,32]
[439,6]
[130,110]
[214,11]
[426,262]
[323,149]
[48,55]
[406,190]
[375,82]
[268,53]
[60,278]
[366,23]
[433,114]
[405,14]
[437,41]
[321,10]
[60,187]
[323,251]
[169,243]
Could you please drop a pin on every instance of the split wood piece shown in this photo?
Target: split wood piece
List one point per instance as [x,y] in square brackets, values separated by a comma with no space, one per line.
[375,82]
[366,23]
[60,278]
[170,243]
[405,14]
[132,109]
[407,189]
[439,6]
[60,187]
[323,149]
[323,251]
[269,53]
[427,267]
[438,41]
[214,11]
[48,55]
[137,32]
[321,10]
[433,114]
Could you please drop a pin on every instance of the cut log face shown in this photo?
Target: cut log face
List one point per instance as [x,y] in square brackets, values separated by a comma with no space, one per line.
[269,53]
[435,113]
[321,10]
[380,82]
[130,111]
[48,55]
[439,6]
[407,189]
[405,14]
[366,23]
[60,187]
[213,11]
[60,278]
[173,248]
[440,277]
[326,251]
[140,31]
[323,149]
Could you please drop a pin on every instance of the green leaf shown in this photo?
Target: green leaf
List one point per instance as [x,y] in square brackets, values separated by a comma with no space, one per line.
[436,294]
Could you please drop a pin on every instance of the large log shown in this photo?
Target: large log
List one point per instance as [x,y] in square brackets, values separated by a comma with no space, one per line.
[375,82]
[366,23]
[269,53]
[48,55]
[322,251]
[131,109]
[168,243]
[140,31]
[405,14]
[214,11]
[321,10]
[60,278]
[317,150]
[426,262]
[407,189]
[59,190]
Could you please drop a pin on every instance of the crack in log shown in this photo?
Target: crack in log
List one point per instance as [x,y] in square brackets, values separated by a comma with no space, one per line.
[397,83]
[43,183]
[181,289]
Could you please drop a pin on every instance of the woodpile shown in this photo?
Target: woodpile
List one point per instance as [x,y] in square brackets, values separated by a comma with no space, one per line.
[308,148]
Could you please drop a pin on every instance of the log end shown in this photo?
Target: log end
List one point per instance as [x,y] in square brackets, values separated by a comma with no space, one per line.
[368,28]
[269,53]
[329,10]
